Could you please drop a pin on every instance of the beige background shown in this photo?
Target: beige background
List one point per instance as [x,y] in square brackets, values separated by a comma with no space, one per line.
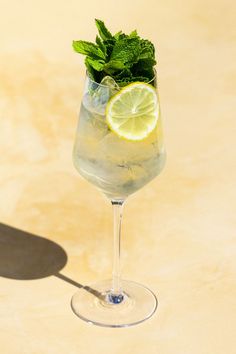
[179,231]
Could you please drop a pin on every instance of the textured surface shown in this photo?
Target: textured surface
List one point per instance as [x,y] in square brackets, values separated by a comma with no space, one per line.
[179,231]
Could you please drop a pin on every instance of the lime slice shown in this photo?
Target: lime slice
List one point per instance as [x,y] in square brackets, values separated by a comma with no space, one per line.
[132,113]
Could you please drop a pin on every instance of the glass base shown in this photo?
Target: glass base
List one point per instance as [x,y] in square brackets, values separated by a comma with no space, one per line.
[91,304]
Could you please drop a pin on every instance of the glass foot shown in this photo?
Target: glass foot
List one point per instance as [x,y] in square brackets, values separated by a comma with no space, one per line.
[92,304]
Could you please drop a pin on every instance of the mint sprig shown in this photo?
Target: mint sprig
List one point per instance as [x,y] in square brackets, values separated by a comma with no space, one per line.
[126,58]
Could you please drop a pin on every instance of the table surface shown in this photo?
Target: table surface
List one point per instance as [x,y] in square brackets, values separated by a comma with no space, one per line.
[56,229]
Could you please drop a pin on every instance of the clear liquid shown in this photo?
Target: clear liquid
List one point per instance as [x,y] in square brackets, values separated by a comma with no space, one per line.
[116,166]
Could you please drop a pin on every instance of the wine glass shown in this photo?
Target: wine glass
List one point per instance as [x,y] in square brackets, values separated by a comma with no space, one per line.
[118,167]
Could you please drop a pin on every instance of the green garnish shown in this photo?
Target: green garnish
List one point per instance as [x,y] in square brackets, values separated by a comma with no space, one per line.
[126,58]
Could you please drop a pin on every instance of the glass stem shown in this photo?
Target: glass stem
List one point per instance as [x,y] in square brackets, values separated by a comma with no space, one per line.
[116,295]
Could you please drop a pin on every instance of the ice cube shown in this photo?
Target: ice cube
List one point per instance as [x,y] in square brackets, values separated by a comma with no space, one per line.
[111,83]
[96,100]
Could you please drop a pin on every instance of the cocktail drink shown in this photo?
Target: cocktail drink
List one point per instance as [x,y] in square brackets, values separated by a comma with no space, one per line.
[119,149]
[117,166]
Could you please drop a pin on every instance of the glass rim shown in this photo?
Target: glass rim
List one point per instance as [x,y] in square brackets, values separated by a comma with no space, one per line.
[102,85]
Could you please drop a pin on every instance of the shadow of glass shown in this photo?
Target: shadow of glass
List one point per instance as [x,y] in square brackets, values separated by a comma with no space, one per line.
[25,256]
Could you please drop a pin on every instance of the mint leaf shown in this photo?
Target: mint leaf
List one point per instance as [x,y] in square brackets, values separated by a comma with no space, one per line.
[147,49]
[101,45]
[113,65]
[126,50]
[133,34]
[125,73]
[109,43]
[88,48]
[125,58]
[90,69]
[103,31]
[119,35]
[95,64]
[127,80]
